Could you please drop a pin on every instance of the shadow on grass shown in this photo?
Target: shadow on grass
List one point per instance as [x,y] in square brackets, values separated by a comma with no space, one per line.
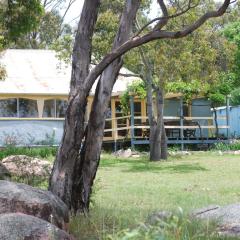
[143,165]
[179,168]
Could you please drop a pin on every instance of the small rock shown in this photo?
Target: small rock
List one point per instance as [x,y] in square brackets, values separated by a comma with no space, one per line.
[185,153]
[136,156]
[16,226]
[127,153]
[237,152]
[124,153]
[21,165]
[17,197]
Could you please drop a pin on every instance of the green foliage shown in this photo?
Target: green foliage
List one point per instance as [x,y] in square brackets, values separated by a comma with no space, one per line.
[136,88]
[176,227]
[107,27]
[63,47]
[43,152]
[18,17]
[235,97]
[3,72]
[233,146]
[217,93]
[104,34]
[188,89]
[232,33]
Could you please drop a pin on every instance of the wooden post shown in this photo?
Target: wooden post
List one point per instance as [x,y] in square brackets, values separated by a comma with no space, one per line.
[181,122]
[114,124]
[18,108]
[55,108]
[143,110]
[132,121]
[227,116]
[40,105]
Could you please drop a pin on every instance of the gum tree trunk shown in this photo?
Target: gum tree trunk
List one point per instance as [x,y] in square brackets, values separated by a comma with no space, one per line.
[77,161]
[61,181]
[92,148]
[157,138]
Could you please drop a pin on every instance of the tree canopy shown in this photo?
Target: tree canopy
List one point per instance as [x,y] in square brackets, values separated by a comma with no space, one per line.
[17,17]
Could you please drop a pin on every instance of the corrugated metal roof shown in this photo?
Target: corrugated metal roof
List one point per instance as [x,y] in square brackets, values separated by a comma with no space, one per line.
[39,72]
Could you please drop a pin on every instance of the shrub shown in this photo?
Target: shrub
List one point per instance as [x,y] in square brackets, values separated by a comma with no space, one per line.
[43,152]
[233,146]
[177,227]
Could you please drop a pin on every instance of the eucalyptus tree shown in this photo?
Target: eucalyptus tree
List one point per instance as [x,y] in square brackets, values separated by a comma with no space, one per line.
[78,157]
[16,19]
[51,26]
[191,66]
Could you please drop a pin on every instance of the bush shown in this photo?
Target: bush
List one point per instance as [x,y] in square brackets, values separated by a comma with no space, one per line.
[177,227]
[233,146]
[43,152]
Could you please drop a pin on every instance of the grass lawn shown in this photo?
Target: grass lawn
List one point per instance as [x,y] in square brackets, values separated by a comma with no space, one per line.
[128,190]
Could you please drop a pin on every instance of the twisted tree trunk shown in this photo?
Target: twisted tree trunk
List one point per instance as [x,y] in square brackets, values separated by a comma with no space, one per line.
[68,159]
[73,180]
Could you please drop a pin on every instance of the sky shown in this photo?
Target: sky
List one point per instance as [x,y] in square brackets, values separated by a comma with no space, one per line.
[77,6]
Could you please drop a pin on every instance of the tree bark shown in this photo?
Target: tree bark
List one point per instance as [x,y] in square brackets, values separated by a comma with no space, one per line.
[158,142]
[164,147]
[84,171]
[157,137]
[68,157]
[215,121]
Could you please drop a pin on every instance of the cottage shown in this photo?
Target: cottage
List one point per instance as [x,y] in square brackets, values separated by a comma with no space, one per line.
[33,100]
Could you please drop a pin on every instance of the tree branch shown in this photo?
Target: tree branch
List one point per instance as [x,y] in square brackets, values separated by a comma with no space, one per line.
[177,14]
[162,22]
[153,35]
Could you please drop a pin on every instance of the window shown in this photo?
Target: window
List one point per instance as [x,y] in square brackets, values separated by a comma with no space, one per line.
[28,108]
[49,108]
[61,107]
[108,123]
[138,121]
[122,122]
[8,107]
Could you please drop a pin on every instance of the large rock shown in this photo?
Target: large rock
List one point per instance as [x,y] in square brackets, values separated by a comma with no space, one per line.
[228,218]
[18,226]
[21,165]
[17,197]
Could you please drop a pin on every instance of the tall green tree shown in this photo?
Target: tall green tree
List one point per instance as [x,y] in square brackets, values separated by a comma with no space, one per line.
[51,27]
[17,18]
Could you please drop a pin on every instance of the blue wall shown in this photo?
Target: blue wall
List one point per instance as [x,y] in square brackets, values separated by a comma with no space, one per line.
[234,121]
[30,132]
[201,107]
[172,107]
